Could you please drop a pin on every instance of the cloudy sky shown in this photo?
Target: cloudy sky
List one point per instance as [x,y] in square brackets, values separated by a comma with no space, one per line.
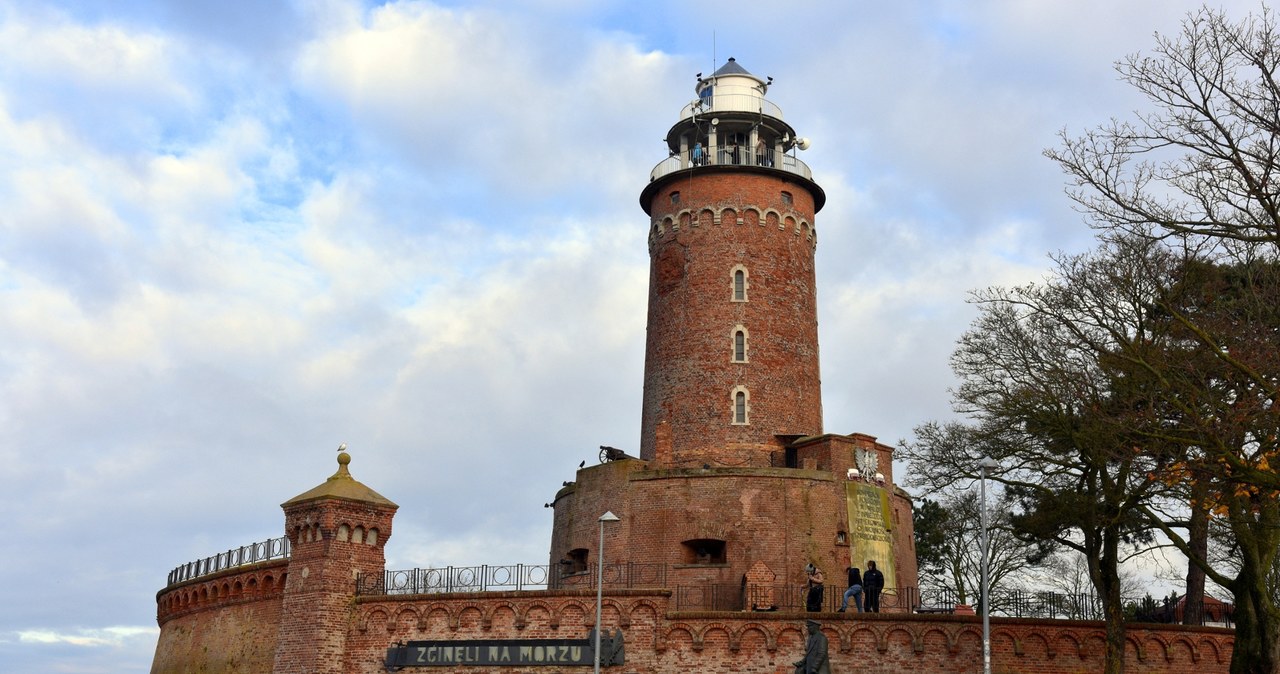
[234,235]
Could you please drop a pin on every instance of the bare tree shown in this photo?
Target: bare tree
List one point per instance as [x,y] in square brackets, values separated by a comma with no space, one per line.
[1199,171]
[952,563]
[1048,377]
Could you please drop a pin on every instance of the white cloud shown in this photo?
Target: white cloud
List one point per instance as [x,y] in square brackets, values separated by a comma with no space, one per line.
[89,637]
[414,228]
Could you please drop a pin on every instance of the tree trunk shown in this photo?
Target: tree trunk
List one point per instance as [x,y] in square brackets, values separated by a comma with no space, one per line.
[1257,646]
[1105,574]
[1113,611]
[1198,540]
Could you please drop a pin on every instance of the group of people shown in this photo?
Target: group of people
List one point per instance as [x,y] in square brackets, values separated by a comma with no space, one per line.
[763,157]
[866,585]
[861,584]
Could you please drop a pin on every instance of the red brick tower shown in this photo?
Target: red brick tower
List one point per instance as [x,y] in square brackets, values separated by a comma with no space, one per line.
[337,531]
[731,362]
[736,488]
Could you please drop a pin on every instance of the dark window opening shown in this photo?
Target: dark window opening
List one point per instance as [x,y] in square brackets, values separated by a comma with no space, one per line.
[792,460]
[739,346]
[786,198]
[675,197]
[575,561]
[704,551]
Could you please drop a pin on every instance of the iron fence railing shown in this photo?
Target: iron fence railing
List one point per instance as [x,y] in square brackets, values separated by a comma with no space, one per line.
[1069,606]
[725,157]
[739,597]
[486,578]
[275,548]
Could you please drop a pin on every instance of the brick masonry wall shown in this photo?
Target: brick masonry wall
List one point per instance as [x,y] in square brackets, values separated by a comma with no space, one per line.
[783,517]
[225,623]
[322,576]
[661,641]
[723,219]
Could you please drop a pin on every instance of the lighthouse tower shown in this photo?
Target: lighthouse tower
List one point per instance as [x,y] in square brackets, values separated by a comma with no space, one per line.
[731,361]
[735,488]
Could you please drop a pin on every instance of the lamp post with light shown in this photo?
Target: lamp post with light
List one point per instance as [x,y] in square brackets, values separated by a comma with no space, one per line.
[608,516]
[985,466]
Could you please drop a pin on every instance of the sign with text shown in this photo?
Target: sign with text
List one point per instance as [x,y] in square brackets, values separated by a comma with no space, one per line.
[871,528]
[504,652]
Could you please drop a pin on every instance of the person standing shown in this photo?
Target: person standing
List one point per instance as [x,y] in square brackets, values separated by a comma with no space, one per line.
[697,154]
[872,584]
[814,587]
[816,660]
[855,590]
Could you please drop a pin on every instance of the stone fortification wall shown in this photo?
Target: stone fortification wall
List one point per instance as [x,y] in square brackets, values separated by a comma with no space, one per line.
[239,633]
[226,623]
[662,641]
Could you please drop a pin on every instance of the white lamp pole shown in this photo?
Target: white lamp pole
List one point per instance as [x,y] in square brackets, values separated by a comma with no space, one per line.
[988,464]
[608,516]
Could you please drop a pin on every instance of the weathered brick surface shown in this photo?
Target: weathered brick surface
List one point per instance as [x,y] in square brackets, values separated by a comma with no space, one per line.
[726,218]
[223,623]
[784,518]
[230,637]
[661,641]
[321,582]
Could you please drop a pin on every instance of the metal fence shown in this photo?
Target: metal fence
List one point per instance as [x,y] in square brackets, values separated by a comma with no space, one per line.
[724,157]
[1066,606]
[791,597]
[486,578]
[275,548]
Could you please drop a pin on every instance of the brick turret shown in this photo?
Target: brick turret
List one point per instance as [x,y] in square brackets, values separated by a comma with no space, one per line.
[337,531]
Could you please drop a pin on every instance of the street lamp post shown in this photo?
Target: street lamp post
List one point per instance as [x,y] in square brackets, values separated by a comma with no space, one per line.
[608,516]
[985,466]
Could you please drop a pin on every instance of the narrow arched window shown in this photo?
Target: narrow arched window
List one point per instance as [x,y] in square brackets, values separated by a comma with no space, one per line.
[741,414]
[740,285]
[739,346]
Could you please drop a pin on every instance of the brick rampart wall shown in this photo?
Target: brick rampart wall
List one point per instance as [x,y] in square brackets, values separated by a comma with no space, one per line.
[239,634]
[226,623]
[659,641]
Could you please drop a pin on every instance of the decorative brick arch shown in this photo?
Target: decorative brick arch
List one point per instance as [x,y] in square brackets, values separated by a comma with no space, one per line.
[669,636]
[770,641]
[406,618]
[373,618]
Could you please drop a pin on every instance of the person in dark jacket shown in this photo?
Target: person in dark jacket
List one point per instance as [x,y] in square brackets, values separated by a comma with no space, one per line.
[872,584]
[815,659]
[855,590]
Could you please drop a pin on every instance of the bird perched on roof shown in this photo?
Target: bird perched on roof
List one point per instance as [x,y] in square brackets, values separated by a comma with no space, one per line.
[342,447]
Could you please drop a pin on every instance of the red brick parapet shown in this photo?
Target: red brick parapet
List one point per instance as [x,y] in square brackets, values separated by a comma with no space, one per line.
[243,584]
[660,640]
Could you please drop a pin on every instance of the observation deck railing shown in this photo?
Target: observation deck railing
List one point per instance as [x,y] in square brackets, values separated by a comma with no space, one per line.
[723,156]
[275,548]
[732,98]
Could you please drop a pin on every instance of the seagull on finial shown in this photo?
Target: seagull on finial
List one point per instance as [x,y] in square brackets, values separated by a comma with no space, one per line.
[342,447]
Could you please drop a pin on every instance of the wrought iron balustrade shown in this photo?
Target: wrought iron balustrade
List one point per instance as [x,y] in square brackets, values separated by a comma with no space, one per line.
[275,548]
[724,157]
